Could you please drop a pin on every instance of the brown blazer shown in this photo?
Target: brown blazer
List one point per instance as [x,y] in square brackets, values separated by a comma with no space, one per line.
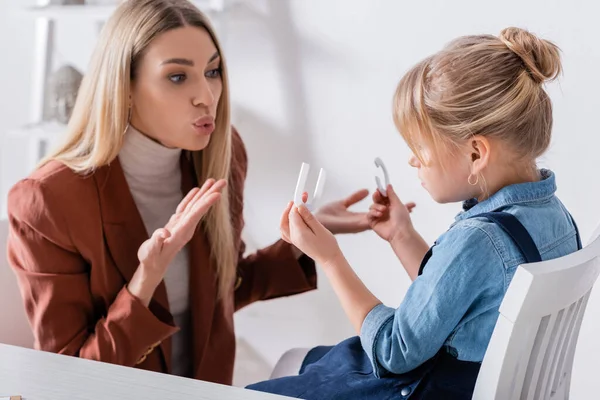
[73,245]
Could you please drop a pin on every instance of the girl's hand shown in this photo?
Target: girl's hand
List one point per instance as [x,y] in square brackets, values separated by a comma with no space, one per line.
[300,228]
[389,217]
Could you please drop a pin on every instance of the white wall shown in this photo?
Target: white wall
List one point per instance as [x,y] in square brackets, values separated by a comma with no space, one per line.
[16,39]
[313,81]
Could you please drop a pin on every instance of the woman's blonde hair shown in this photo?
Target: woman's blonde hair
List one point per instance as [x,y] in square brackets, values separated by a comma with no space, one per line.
[101,114]
[480,85]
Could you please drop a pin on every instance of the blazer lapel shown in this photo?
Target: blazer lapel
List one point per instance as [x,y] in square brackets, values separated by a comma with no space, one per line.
[124,232]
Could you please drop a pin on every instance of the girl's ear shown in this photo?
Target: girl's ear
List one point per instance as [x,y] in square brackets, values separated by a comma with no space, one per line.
[479,153]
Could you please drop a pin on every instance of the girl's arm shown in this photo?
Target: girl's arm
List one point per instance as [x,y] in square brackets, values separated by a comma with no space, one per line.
[410,249]
[464,268]
[300,227]
[357,301]
[390,219]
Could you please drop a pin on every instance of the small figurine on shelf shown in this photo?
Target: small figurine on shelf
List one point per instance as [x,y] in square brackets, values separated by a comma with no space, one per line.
[63,86]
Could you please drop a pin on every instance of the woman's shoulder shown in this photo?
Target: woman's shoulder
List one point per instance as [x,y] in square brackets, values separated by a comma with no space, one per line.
[53,173]
[50,189]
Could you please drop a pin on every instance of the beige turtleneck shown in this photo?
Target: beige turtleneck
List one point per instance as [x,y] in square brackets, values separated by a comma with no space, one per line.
[153,174]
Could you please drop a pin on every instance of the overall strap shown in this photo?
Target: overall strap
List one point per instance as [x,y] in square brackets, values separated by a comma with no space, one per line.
[517,232]
[425,259]
[579,246]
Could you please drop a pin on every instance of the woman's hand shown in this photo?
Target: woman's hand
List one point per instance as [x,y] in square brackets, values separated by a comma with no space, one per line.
[157,253]
[336,217]
[301,228]
[389,217]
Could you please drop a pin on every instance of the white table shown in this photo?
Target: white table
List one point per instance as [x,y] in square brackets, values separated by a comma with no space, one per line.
[37,375]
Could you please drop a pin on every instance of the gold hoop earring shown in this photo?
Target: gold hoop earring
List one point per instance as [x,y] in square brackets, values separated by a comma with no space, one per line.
[128,121]
[476,180]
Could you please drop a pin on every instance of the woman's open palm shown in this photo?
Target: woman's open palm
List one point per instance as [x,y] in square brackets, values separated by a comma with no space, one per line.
[158,251]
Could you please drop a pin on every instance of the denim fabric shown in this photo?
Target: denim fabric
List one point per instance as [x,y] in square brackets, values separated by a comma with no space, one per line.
[454,304]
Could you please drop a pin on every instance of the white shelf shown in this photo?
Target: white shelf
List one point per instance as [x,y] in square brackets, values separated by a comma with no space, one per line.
[39,139]
[100,12]
[45,130]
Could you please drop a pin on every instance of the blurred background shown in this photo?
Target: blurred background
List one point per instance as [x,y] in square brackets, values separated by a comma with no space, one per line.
[312,81]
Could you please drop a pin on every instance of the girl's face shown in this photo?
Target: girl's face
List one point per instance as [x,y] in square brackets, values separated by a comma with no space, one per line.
[445,174]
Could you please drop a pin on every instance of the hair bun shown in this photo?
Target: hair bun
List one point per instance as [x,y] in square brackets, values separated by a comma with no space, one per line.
[541,57]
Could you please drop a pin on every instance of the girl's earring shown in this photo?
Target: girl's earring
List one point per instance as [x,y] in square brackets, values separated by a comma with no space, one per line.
[476,180]
[128,120]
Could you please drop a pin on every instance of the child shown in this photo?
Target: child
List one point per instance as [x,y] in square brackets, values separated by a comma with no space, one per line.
[476,117]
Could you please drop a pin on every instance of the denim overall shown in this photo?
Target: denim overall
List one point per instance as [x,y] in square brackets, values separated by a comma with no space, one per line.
[345,372]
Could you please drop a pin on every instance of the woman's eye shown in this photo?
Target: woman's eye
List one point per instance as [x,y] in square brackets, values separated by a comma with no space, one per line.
[214,73]
[177,78]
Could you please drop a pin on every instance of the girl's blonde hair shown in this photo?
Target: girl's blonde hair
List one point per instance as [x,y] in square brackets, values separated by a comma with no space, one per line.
[100,117]
[480,85]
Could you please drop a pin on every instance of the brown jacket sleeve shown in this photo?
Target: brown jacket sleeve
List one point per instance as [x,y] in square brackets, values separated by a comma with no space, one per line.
[273,272]
[270,272]
[55,286]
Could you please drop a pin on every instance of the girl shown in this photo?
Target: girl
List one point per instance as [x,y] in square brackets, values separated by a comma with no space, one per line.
[151,124]
[476,117]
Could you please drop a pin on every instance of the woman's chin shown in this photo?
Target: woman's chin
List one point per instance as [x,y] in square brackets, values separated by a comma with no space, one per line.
[196,144]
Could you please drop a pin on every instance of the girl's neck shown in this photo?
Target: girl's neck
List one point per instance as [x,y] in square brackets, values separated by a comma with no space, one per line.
[511,176]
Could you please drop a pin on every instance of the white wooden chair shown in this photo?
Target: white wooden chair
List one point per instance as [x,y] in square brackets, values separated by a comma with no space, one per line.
[14,326]
[530,355]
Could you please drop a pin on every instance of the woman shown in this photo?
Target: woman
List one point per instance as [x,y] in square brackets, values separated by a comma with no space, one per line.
[150,124]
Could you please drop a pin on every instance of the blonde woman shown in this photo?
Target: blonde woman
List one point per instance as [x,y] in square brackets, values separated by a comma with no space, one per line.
[149,152]
[476,117]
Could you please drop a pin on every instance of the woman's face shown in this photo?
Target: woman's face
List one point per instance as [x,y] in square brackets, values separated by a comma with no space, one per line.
[176,89]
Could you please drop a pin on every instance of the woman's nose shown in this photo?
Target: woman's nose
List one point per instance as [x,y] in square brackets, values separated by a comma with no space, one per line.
[204,95]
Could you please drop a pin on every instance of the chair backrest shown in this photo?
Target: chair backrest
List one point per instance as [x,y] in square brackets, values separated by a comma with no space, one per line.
[14,326]
[530,355]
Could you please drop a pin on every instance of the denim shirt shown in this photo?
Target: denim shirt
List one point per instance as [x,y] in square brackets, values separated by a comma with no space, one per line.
[454,303]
